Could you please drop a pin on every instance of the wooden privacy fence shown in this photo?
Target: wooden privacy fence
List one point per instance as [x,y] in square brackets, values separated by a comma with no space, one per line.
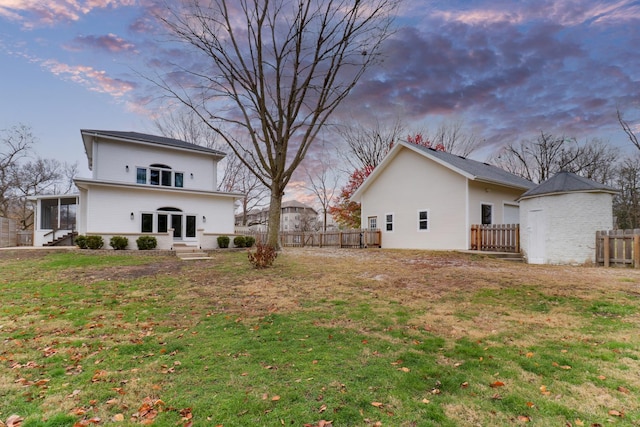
[618,247]
[8,230]
[340,239]
[496,238]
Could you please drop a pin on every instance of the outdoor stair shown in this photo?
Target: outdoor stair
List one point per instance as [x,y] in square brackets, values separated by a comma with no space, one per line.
[511,257]
[185,252]
[66,240]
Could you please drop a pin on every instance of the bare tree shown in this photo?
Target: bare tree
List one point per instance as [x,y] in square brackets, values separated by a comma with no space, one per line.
[451,135]
[39,176]
[367,145]
[627,129]
[323,184]
[238,178]
[538,160]
[15,145]
[626,204]
[272,73]
[183,124]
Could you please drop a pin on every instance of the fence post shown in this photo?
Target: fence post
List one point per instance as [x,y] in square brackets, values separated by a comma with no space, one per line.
[605,247]
[636,251]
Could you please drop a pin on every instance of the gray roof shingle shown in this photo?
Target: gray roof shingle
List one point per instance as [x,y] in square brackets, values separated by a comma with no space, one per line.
[479,170]
[565,182]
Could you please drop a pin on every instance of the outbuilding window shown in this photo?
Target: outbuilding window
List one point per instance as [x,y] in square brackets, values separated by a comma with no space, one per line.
[423,220]
[389,222]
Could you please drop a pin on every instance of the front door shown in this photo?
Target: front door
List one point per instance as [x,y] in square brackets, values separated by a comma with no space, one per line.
[536,235]
[176,224]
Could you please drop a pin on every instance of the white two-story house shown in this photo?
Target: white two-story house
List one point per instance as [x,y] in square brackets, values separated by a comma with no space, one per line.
[142,185]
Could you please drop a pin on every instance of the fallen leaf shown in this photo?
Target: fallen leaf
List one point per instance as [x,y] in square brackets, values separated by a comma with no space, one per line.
[579,422]
[377,404]
[14,421]
[602,377]
[425,400]
[530,404]
[615,413]
[529,354]
[117,418]
[524,418]
[623,390]
[496,384]
[404,369]
[322,408]
[275,398]
[464,385]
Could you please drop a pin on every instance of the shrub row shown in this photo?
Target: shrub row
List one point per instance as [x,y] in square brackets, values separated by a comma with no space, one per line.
[116,242]
[238,241]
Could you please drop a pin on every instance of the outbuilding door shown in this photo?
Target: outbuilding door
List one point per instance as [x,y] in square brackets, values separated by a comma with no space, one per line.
[535,233]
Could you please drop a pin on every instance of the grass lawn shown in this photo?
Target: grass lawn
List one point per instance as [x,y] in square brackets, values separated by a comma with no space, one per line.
[324,338]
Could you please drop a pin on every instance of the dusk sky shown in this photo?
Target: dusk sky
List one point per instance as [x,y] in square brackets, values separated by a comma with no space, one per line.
[509,69]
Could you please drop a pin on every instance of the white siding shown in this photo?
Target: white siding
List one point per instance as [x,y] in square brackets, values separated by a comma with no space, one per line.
[111,159]
[570,223]
[411,183]
[109,209]
[489,194]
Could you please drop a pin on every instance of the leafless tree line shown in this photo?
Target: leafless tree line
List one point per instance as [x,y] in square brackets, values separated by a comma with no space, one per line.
[24,174]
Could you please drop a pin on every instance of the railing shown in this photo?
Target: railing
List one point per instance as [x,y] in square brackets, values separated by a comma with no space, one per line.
[363,238]
[496,238]
[618,247]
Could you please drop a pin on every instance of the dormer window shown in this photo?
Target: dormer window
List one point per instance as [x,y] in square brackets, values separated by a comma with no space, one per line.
[161,175]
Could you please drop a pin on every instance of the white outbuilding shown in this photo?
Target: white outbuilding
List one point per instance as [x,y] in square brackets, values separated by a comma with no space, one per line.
[559,219]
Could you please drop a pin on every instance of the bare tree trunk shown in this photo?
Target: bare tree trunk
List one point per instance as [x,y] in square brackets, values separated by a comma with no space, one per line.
[273,226]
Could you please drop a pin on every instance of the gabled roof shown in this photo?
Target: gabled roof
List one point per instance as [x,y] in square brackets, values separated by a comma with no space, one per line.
[567,182]
[141,138]
[471,169]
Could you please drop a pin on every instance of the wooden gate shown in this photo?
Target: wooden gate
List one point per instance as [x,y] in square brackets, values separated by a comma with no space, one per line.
[496,238]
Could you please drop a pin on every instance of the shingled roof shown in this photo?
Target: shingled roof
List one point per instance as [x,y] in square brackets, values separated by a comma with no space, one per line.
[144,139]
[566,182]
[477,171]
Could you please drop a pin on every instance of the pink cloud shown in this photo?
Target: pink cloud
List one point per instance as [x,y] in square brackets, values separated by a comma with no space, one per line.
[34,13]
[95,80]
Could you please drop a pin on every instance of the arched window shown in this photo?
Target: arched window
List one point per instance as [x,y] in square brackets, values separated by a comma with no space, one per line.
[159,174]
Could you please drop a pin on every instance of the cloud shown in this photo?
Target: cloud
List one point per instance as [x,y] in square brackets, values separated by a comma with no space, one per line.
[94,80]
[34,13]
[109,43]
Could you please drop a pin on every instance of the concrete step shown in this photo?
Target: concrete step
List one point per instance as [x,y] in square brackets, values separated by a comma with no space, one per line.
[185,251]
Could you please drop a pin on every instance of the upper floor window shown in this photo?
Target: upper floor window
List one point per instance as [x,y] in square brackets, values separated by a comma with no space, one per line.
[161,175]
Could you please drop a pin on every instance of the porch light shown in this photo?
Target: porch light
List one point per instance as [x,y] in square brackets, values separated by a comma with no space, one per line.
[127,168]
[191,175]
[131,216]
[204,218]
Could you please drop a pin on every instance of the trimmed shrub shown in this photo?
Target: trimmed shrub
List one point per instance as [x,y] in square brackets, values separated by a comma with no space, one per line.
[81,241]
[146,243]
[95,242]
[223,241]
[239,241]
[249,241]
[263,257]
[119,243]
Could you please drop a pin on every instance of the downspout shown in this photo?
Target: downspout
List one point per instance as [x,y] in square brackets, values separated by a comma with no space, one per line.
[466,215]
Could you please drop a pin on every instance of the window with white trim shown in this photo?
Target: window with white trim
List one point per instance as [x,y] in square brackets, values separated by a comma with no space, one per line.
[423,220]
[161,175]
[388,221]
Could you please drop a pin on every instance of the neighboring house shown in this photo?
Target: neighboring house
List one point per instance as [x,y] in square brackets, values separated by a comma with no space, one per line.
[560,217]
[294,216]
[426,199]
[142,185]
